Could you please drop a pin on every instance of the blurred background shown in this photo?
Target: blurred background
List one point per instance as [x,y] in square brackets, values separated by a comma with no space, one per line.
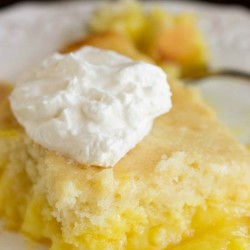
[4,3]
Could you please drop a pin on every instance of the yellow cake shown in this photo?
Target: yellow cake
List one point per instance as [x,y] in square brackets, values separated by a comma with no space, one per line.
[185,186]
[173,41]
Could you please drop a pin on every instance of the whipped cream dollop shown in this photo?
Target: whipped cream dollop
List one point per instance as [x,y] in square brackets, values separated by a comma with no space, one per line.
[92,105]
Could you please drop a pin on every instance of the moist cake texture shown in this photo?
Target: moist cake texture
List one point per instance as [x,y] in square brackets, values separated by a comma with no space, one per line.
[185,186]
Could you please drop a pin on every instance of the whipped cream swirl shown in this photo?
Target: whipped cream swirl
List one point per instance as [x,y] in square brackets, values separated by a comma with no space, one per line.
[92,105]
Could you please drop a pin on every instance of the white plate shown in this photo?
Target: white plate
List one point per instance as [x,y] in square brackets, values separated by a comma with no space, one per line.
[29,32]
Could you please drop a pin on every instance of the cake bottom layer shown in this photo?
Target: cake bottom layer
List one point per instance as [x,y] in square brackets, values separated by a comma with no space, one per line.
[210,225]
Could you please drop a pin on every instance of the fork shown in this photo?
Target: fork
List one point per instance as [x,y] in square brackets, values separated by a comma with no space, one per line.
[220,72]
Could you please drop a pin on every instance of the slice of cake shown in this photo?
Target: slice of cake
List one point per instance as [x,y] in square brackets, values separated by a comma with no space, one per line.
[173,41]
[185,186]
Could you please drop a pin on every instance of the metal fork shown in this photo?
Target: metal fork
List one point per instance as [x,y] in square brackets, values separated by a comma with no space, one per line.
[221,72]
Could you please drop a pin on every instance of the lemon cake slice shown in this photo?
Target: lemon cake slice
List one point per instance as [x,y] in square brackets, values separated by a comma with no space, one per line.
[185,186]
